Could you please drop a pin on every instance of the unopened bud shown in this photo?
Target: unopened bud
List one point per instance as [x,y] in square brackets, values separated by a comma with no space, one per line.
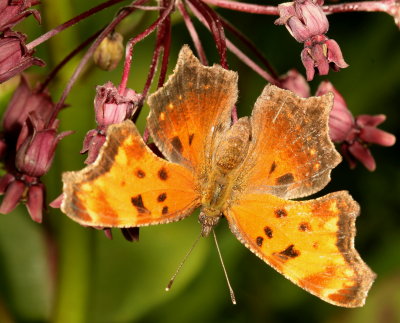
[108,54]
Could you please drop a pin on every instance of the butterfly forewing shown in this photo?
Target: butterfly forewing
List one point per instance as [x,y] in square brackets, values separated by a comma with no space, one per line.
[192,109]
[291,154]
[128,185]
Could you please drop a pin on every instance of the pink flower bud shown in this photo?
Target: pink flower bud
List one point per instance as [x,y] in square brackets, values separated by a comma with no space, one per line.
[23,102]
[296,83]
[14,56]
[111,107]
[303,19]
[13,11]
[35,152]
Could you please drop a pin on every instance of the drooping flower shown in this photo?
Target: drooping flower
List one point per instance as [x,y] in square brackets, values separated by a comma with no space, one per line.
[307,23]
[14,55]
[355,134]
[110,107]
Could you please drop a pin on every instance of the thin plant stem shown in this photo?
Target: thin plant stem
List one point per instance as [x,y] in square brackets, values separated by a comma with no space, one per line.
[246,41]
[260,71]
[166,37]
[216,29]
[193,33]
[122,15]
[244,7]
[67,58]
[69,23]
[369,6]
[135,40]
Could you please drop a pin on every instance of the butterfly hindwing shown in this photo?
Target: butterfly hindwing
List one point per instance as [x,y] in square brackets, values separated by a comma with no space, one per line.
[291,154]
[309,242]
[128,185]
[192,109]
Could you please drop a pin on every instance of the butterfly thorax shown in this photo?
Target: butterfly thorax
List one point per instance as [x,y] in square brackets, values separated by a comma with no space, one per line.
[230,153]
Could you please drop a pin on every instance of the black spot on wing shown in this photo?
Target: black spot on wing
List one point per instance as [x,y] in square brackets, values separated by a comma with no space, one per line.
[162,197]
[140,173]
[259,241]
[137,201]
[280,213]
[191,136]
[273,167]
[268,232]
[163,174]
[177,144]
[289,252]
[285,179]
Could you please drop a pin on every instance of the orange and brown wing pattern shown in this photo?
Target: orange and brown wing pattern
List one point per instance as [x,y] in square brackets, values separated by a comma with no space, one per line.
[309,242]
[291,153]
[191,110]
[128,185]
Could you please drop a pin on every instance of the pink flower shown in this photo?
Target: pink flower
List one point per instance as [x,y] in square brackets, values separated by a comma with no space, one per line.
[304,19]
[321,53]
[110,107]
[36,146]
[355,134]
[296,83]
[13,11]
[307,23]
[14,55]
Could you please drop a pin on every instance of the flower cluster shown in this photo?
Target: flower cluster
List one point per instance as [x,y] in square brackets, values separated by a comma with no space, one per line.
[27,148]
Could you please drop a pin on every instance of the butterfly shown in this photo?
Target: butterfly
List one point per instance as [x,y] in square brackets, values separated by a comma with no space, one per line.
[247,172]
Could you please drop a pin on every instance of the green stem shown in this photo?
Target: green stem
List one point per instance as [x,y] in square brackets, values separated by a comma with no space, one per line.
[74,244]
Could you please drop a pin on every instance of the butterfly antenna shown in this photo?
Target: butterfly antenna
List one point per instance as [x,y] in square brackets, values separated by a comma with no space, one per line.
[233,298]
[182,263]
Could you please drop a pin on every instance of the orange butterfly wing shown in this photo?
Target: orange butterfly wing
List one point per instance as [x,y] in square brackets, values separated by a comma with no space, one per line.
[291,154]
[191,110]
[309,242]
[129,185]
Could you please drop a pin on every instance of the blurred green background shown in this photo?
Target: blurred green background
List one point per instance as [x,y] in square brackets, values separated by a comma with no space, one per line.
[61,272]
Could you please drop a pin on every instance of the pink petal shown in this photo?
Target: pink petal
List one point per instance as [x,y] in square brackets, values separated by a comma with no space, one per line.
[35,202]
[377,136]
[5,181]
[363,154]
[367,120]
[308,63]
[56,204]
[12,197]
